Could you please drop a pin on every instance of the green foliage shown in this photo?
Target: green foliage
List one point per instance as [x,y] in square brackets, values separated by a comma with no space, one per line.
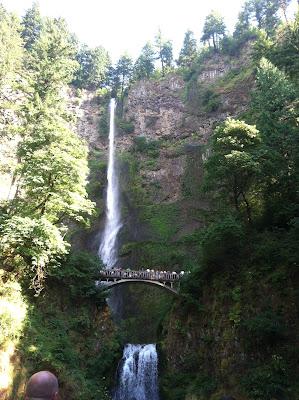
[163,220]
[202,386]
[51,61]
[126,126]
[147,146]
[34,242]
[79,272]
[164,52]
[264,13]
[10,46]
[233,166]
[213,29]
[173,385]
[94,66]
[71,308]
[32,24]
[266,328]
[268,381]
[52,173]
[97,177]
[12,309]
[275,111]
[210,100]
[120,77]
[222,242]
[234,78]
[145,63]
[188,52]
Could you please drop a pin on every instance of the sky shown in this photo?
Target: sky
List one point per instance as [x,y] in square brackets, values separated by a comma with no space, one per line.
[126,25]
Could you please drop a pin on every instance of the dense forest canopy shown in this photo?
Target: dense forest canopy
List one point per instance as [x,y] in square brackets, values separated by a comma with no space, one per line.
[251,178]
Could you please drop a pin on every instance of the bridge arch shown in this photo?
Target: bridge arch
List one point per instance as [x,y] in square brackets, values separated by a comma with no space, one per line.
[110,284]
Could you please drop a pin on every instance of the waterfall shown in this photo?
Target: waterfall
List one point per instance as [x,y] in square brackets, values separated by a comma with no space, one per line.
[138,373]
[107,250]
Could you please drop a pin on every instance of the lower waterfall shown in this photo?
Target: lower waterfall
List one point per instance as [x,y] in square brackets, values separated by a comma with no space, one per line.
[138,373]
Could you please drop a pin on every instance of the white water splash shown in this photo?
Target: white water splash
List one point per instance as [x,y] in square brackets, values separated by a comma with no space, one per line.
[138,375]
[108,250]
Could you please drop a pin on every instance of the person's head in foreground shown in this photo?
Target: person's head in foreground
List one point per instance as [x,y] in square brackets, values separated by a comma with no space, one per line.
[42,386]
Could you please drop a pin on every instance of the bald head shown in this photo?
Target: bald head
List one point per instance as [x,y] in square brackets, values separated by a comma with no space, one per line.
[42,385]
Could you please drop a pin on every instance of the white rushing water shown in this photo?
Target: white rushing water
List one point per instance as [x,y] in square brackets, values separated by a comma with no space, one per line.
[107,250]
[138,373]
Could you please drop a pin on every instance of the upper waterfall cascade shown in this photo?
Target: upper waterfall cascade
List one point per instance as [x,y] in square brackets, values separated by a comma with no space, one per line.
[108,250]
[138,373]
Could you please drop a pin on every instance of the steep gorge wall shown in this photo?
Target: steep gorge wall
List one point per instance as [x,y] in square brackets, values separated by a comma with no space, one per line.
[162,159]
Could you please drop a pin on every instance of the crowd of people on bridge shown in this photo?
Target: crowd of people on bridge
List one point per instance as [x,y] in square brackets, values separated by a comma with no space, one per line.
[147,274]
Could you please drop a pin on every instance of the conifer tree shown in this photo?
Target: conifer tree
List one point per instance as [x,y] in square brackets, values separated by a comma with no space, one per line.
[32,25]
[164,52]
[10,45]
[122,74]
[52,162]
[188,51]
[93,67]
[145,63]
[214,29]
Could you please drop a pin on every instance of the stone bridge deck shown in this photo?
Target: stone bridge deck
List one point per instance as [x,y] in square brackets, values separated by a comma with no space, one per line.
[167,280]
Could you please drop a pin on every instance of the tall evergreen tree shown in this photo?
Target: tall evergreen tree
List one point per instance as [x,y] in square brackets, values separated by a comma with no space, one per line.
[55,51]
[52,162]
[93,67]
[214,29]
[264,13]
[31,26]
[276,113]
[10,45]
[122,75]
[188,51]
[164,52]
[145,63]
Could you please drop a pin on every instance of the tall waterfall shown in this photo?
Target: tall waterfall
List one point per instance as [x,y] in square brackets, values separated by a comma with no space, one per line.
[107,250]
[138,373]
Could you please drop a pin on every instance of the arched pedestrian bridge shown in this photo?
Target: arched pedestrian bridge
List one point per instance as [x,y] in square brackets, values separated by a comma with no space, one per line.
[167,280]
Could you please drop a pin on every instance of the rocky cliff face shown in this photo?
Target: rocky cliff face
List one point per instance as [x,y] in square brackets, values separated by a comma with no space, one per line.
[161,158]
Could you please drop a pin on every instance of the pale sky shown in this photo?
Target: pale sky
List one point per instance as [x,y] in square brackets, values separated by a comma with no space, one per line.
[126,25]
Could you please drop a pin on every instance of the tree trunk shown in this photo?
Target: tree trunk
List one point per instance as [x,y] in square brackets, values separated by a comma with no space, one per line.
[214,42]
[248,209]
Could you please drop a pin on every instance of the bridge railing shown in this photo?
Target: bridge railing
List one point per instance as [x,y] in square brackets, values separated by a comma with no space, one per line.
[161,276]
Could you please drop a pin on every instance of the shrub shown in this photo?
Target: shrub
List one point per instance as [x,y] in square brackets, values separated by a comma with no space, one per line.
[126,126]
[221,242]
[267,382]
[210,100]
[265,328]
[146,146]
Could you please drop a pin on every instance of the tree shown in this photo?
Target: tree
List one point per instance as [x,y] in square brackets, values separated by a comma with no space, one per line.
[264,13]
[243,22]
[51,62]
[94,66]
[275,109]
[282,50]
[121,75]
[213,29]
[52,169]
[233,166]
[32,25]
[163,51]
[10,46]
[145,63]
[188,51]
